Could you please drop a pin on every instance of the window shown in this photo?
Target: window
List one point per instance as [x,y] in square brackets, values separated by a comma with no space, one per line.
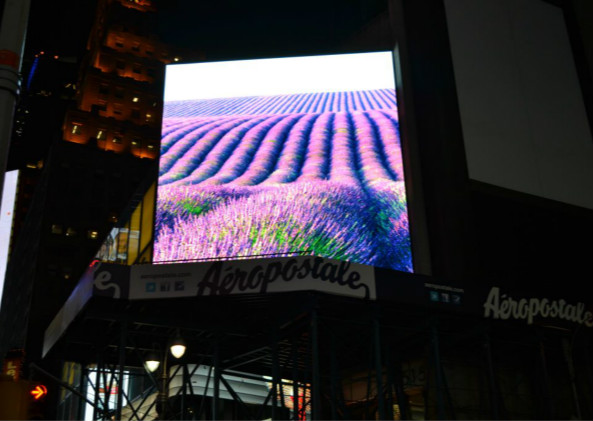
[56,229]
[104,89]
[135,99]
[120,64]
[119,92]
[117,109]
[101,134]
[151,146]
[135,143]
[137,68]
[135,114]
[70,232]
[117,138]
[102,106]
[150,72]
[76,128]
[136,47]
[148,117]
[119,44]
[92,235]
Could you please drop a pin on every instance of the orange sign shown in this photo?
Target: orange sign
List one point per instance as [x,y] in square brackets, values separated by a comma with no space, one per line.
[12,367]
[39,391]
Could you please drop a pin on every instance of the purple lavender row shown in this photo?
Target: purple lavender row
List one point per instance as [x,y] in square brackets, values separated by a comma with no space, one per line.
[284,104]
[183,140]
[203,158]
[343,161]
[267,154]
[241,157]
[388,130]
[293,153]
[177,131]
[318,150]
[369,150]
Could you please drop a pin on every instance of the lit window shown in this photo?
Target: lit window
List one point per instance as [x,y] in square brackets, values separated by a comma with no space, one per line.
[135,99]
[135,142]
[70,232]
[150,146]
[56,229]
[176,59]
[76,128]
[100,134]
[148,117]
[93,235]
[117,139]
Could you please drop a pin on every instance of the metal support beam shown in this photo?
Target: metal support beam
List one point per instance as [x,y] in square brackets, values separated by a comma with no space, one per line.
[122,363]
[492,386]
[316,386]
[438,373]
[334,377]
[216,366]
[379,368]
[295,379]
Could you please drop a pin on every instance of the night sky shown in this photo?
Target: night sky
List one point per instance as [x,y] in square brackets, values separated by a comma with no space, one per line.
[221,29]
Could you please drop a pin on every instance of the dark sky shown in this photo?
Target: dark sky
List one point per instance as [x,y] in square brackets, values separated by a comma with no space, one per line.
[220,28]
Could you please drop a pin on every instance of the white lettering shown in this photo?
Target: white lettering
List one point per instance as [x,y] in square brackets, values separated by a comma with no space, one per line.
[502,307]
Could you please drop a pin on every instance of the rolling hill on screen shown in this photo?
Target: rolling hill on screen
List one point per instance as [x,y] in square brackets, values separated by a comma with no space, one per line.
[315,173]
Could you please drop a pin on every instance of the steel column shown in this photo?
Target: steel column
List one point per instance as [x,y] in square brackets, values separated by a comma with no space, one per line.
[378,368]
[122,362]
[316,392]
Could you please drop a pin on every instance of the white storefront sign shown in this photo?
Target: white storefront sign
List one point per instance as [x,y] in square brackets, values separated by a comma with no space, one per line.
[252,277]
[505,307]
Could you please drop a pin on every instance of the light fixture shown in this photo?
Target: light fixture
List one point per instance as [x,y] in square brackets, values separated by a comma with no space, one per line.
[152,362]
[178,346]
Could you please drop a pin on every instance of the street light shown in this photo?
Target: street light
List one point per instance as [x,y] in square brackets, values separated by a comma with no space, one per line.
[152,363]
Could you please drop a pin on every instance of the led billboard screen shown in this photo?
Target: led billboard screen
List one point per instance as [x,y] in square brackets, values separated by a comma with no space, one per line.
[276,157]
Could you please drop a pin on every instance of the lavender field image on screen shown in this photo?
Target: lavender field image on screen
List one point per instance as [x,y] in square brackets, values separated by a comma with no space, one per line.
[315,172]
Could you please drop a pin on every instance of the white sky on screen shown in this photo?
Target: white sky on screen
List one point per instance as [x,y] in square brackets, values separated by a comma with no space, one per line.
[279,76]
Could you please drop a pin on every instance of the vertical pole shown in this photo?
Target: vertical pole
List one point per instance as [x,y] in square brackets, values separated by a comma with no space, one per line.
[12,43]
[394,370]
[184,378]
[567,348]
[97,386]
[216,394]
[546,395]
[163,395]
[334,378]
[436,361]
[274,377]
[316,392]
[379,368]
[295,382]
[84,372]
[494,399]
[122,362]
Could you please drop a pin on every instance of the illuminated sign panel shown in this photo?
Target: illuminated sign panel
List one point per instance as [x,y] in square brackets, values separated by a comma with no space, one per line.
[6,217]
[279,157]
